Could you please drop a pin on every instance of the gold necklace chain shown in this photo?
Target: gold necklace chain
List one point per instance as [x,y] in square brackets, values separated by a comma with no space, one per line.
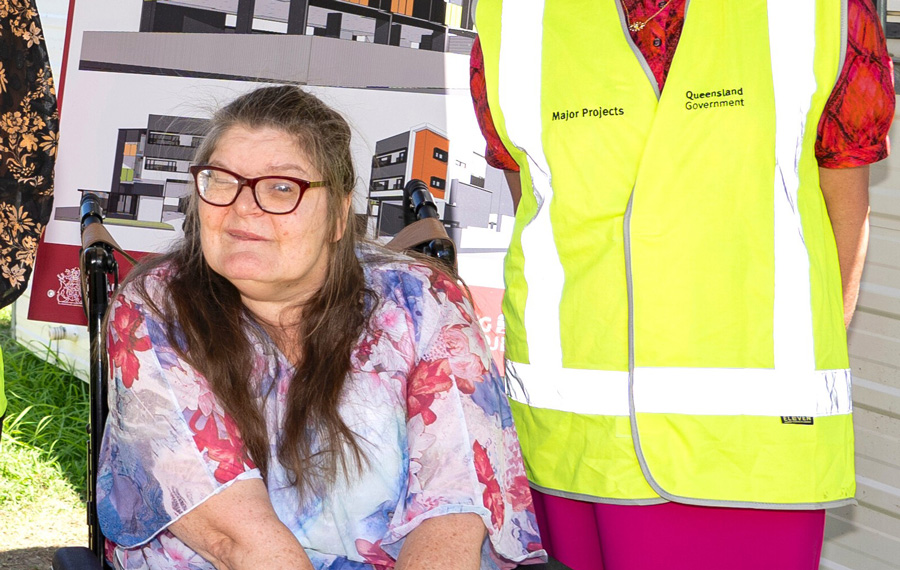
[639,25]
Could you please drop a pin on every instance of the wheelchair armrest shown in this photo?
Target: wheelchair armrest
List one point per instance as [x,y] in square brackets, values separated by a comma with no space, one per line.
[75,558]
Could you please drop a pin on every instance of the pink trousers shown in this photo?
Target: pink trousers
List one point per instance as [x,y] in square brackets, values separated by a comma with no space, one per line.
[671,536]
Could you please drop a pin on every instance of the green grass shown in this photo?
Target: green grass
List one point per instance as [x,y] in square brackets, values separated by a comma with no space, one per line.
[43,451]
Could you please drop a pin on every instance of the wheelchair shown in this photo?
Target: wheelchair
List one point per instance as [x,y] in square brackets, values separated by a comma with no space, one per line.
[422,232]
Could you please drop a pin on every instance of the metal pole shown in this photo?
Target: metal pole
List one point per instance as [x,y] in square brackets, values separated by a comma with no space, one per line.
[881,8]
[245,12]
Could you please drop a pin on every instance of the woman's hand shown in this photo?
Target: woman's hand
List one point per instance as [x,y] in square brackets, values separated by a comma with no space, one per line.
[444,543]
[238,529]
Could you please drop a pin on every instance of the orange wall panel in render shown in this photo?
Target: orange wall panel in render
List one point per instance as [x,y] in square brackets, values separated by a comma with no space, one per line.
[402,7]
[426,165]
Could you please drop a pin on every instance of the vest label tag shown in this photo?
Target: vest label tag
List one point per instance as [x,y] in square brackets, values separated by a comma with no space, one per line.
[797,420]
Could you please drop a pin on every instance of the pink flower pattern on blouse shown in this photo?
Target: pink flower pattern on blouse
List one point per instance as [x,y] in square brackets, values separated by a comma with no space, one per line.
[425,397]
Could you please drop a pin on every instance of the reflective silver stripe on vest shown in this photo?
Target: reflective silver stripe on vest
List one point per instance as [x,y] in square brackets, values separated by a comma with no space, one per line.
[595,392]
[519,90]
[704,391]
[735,391]
[792,44]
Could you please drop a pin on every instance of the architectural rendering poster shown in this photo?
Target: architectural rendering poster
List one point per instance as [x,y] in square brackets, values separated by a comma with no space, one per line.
[143,76]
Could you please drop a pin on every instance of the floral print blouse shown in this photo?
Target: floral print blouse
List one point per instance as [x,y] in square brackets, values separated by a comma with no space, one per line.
[425,398]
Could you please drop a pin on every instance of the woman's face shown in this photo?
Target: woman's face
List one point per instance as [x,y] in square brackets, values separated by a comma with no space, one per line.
[274,260]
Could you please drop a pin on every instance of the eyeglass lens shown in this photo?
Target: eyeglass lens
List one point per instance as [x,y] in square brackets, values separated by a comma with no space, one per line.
[273,194]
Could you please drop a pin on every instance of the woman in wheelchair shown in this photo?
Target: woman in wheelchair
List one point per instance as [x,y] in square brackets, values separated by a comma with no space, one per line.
[284,395]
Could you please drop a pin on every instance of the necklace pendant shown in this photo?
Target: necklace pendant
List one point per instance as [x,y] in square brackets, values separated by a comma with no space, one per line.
[637,26]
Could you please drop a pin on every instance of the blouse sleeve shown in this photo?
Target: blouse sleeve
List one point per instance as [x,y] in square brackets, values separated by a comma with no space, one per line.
[168,444]
[464,455]
[494,153]
[853,130]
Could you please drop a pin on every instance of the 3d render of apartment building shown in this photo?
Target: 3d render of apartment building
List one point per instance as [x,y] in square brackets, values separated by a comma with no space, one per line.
[150,178]
[421,152]
[465,197]
[152,166]
[438,25]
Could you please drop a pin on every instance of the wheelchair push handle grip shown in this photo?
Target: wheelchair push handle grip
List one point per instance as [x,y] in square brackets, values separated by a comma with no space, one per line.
[421,202]
[418,200]
[91,210]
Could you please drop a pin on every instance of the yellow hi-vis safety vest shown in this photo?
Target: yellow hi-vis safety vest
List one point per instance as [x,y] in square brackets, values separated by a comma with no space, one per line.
[673,296]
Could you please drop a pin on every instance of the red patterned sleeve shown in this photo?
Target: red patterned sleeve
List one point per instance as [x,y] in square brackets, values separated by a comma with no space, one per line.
[495,153]
[853,130]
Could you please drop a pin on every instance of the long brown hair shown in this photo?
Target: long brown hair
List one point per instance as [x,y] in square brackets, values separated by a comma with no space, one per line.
[209,325]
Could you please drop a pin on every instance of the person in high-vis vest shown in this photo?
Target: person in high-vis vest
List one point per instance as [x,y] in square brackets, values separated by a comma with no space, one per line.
[675,324]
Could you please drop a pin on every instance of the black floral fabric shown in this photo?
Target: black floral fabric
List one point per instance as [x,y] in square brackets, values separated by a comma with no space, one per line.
[29,123]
